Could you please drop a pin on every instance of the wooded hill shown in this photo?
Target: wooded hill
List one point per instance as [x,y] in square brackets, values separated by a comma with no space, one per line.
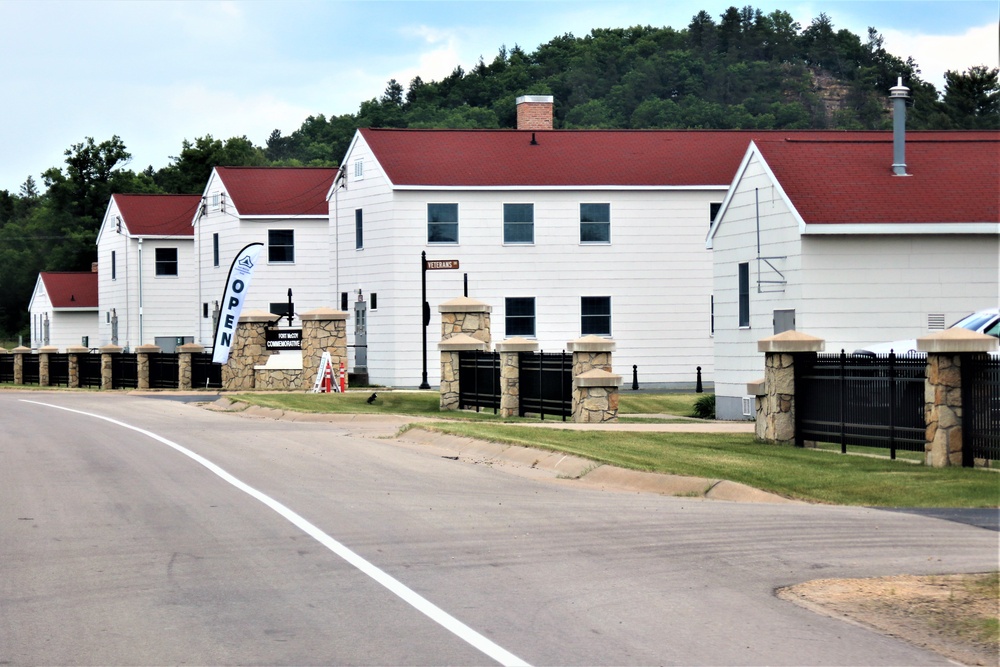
[744,70]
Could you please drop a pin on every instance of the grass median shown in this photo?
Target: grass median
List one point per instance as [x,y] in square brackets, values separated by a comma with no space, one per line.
[813,475]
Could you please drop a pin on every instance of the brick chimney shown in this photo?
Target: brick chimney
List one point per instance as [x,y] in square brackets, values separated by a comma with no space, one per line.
[534,112]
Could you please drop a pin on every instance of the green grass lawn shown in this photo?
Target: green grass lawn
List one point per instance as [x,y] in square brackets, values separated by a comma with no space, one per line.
[808,474]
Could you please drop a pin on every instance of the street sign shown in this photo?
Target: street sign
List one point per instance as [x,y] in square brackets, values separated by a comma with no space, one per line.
[433,264]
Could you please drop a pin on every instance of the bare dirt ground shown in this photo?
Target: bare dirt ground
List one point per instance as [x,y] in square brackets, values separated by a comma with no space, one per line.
[953,615]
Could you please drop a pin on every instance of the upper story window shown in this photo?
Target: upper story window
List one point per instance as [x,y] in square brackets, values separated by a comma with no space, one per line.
[713,210]
[215,249]
[595,223]
[281,245]
[359,229]
[519,316]
[518,223]
[359,169]
[214,200]
[166,262]
[442,223]
[595,315]
[114,266]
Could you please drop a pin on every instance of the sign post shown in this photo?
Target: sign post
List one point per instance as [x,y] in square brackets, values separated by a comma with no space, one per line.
[425,266]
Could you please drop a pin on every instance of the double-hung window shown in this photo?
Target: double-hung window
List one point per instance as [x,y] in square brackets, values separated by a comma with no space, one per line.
[166,262]
[519,223]
[595,223]
[442,223]
[595,315]
[519,316]
[281,245]
[359,229]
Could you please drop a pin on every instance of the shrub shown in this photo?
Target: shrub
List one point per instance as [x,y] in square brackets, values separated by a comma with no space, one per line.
[704,407]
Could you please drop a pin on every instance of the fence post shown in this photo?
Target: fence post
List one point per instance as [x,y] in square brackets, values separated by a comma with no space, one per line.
[142,353]
[510,373]
[19,353]
[943,391]
[107,365]
[595,387]
[43,364]
[776,408]
[185,363]
[450,349]
[74,352]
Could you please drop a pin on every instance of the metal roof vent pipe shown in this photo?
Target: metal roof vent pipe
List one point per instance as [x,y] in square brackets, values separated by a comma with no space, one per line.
[899,94]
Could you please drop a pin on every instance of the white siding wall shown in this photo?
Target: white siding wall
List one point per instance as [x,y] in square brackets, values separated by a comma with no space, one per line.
[66,327]
[864,290]
[112,295]
[656,271]
[736,358]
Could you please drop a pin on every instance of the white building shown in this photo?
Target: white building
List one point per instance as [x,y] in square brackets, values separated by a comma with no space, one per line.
[563,233]
[63,309]
[820,235]
[147,276]
[284,208]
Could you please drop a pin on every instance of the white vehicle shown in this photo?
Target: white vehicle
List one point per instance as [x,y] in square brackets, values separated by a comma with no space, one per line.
[982,321]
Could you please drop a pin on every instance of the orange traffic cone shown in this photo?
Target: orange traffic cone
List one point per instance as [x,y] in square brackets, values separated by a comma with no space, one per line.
[327,379]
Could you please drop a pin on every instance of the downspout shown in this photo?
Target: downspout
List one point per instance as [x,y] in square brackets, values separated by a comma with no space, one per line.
[140,292]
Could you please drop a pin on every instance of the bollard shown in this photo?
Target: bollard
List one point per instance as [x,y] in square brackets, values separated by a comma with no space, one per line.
[697,386]
[635,378]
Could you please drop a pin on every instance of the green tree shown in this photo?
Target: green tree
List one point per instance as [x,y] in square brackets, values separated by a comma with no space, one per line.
[972,98]
[188,172]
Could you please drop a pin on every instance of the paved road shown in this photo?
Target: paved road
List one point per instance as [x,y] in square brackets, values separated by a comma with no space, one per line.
[302,543]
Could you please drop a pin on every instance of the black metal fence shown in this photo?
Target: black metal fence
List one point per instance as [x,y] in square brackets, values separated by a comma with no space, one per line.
[980,409]
[546,386]
[6,367]
[31,370]
[163,371]
[59,370]
[478,380]
[205,374]
[89,366]
[124,371]
[861,400]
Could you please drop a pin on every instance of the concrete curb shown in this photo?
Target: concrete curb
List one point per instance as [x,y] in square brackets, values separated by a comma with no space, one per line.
[526,461]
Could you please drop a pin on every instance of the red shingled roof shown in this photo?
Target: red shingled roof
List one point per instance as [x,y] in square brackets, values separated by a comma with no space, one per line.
[71,289]
[158,215]
[953,177]
[280,191]
[566,158]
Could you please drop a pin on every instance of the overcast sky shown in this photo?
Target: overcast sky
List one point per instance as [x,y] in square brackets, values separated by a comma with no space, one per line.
[156,73]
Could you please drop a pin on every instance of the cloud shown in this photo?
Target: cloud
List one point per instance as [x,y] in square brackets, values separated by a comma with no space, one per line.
[935,54]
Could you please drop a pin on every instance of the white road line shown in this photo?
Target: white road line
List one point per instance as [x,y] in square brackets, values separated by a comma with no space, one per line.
[414,599]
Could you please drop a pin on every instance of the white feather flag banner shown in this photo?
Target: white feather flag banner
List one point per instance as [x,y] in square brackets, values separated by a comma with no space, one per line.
[237,284]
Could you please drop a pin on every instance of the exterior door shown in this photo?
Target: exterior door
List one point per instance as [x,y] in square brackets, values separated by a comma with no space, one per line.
[360,335]
[784,320]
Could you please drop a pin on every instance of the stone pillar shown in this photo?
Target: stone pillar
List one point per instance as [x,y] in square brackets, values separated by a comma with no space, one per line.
[248,350]
[184,353]
[510,373]
[450,348]
[74,352]
[43,364]
[107,375]
[142,353]
[943,391]
[19,353]
[776,408]
[466,316]
[323,330]
[595,387]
